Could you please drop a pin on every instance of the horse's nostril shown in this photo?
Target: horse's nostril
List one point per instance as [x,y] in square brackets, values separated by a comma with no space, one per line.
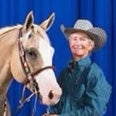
[50,95]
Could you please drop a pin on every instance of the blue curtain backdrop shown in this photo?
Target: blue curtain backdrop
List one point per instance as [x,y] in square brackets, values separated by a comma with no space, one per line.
[100,12]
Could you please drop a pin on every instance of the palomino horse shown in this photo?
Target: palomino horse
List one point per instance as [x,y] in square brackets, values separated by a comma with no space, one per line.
[26,55]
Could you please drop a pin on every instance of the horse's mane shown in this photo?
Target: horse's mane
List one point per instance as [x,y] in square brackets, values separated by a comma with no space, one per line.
[7,29]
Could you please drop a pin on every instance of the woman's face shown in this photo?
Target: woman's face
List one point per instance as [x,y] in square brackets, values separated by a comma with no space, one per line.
[80,44]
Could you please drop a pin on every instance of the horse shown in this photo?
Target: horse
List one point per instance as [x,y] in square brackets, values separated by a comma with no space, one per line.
[26,55]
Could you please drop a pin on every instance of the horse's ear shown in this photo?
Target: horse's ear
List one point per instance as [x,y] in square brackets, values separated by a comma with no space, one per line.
[29,21]
[48,22]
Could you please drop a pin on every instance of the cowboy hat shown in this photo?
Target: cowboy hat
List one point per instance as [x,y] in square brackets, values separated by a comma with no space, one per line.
[96,34]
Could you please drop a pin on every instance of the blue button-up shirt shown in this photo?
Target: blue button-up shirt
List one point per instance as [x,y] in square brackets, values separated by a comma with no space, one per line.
[85,90]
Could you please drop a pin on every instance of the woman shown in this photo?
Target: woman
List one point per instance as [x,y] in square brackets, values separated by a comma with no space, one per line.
[85,89]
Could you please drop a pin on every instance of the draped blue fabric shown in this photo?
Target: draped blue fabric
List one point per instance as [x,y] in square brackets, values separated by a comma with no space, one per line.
[100,12]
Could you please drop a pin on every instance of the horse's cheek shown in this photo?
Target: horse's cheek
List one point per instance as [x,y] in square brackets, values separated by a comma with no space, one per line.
[15,66]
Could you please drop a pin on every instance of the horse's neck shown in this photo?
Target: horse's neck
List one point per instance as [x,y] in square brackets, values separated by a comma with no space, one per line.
[7,42]
[8,39]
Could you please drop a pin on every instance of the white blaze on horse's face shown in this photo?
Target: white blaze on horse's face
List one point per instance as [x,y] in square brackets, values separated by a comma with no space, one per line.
[48,87]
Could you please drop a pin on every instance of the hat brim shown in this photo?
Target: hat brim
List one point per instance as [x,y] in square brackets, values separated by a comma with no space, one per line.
[98,40]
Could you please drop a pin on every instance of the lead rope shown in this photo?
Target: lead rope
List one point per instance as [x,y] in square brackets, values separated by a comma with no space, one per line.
[23,102]
[48,110]
[34,108]
[22,97]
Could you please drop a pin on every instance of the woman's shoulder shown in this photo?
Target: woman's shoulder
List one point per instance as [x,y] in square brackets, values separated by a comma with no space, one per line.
[95,73]
[95,69]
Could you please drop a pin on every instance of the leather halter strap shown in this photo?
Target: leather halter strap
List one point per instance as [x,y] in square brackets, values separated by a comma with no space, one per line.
[30,75]
[40,70]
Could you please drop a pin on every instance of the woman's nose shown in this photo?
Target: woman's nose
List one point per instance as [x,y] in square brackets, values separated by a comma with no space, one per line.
[78,41]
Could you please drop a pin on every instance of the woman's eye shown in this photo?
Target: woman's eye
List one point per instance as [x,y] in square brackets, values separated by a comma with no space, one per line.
[82,39]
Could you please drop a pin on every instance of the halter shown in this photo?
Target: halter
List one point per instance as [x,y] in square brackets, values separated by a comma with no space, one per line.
[29,75]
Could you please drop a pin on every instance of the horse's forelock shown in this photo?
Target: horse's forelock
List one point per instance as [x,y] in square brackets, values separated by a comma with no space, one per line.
[41,32]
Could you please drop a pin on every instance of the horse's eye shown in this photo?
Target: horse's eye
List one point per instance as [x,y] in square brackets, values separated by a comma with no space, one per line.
[30,35]
[32,54]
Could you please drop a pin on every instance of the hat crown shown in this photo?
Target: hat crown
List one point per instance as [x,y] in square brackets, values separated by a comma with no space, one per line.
[83,24]
[96,34]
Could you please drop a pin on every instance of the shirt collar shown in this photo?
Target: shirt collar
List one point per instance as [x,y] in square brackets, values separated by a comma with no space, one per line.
[84,62]
[81,63]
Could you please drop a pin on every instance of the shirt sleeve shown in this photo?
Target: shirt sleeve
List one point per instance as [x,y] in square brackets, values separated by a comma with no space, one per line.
[97,96]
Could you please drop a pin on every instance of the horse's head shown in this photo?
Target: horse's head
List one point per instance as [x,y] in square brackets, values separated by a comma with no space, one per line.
[39,55]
